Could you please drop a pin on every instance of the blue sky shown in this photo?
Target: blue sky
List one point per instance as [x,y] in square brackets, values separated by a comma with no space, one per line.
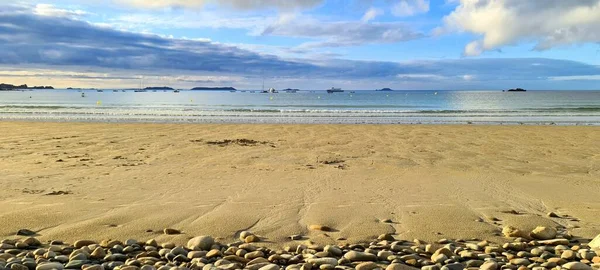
[307,44]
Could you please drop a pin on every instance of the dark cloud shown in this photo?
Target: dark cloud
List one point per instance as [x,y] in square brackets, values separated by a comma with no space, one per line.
[27,38]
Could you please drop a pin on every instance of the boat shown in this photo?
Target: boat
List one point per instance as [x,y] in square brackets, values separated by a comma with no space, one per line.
[123,91]
[115,90]
[352,92]
[140,90]
[82,94]
[517,90]
[229,88]
[289,90]
[270,91]
[232,91]
[334,90]
[100,91]
[176,91]
[252,91]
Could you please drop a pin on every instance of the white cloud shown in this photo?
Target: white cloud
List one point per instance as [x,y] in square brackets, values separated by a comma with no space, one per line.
[577,78]
[468,77]
[287,24]
[340,33]
[473,48]
[50,10]
[190,20]
[236,4]
[371,14]
[548,23]
[420,77]
[406,8]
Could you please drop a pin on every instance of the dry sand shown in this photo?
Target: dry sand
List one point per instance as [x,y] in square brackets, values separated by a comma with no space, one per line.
[433,182]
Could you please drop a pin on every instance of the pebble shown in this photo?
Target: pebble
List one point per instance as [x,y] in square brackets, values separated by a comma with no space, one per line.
[440,258]
[386,236]
[26,232]
[333,250]
[320,261]
[98,253]
[93,267]
[30,241]
[213,253]
[201,242]
[16,266]
[576,266]
[453,266]
[50,266]
[444,251]
[76,264]
[595,243]
[489,266]
[82,243]
[510,231]
[270,267]
[555,242]
[244,234]
[366,266]
[251,238]
[170,231]
[568,255]
[543,233]
[360,256]
[520,261]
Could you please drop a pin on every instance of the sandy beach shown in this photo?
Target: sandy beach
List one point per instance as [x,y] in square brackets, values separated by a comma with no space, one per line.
[71,181]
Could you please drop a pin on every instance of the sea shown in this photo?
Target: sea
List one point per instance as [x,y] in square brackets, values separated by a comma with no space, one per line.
[304,107]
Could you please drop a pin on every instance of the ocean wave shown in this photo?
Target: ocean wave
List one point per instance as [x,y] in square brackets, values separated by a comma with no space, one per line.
[180,110]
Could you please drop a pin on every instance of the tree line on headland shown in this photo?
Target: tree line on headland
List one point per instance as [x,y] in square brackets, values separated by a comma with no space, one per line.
[5,87]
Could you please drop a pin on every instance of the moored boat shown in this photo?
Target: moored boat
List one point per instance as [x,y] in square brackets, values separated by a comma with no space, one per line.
[334,90]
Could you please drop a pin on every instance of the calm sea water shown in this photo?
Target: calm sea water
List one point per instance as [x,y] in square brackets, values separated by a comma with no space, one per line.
[406,107]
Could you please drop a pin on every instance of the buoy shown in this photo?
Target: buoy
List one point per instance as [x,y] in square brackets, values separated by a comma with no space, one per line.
[271,98]
[319,97]
[98,102]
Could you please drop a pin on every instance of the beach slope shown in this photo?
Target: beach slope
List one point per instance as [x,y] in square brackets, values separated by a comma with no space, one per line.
[96,181]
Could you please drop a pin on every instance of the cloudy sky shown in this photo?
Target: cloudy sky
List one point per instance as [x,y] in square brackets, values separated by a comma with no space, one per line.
[307,44]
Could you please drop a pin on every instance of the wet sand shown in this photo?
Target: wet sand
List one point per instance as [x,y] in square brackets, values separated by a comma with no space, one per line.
[73,181]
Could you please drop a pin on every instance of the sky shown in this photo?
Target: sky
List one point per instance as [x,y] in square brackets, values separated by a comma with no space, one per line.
[305,44]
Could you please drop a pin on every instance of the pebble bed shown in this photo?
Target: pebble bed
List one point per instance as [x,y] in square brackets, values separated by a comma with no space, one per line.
[540,249]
